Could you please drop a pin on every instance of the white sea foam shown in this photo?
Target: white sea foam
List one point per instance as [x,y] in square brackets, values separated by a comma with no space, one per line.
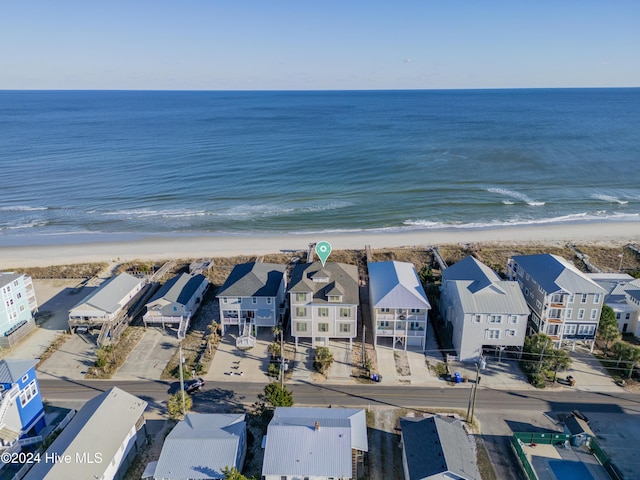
[24,225]
[508,202]
[275,210]
[21,208]
[517,195]
[146,212]
[609,198]
[575,217]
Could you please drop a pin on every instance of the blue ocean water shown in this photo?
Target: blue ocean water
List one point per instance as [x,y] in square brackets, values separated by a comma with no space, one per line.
[96,162]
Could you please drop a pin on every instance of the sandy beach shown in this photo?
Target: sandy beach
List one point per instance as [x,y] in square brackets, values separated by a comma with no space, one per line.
[187,246]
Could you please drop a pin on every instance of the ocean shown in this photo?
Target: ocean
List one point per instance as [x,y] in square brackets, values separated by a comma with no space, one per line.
[97,163]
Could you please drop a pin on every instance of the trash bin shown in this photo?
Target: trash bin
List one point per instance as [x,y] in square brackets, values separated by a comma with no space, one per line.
[457,377]
[375,377]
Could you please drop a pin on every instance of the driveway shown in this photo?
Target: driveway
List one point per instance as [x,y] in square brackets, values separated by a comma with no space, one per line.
[232,364]
[151,355]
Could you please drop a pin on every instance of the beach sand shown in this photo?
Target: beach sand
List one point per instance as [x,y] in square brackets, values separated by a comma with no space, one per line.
[196,246]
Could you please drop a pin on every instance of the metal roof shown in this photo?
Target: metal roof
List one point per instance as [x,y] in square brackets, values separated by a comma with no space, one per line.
[253,279]
[617,286]
[396,285]
[295,447]
[200,446]
[481,290]
[100,427]
[469,268]
[108,296]
[436,445]
[12,370]
[179,289]
[554,273]
[344,275]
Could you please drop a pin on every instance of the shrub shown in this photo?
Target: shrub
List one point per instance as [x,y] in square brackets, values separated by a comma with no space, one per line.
[174,404]
[278,396]
[273,370]
[323,359]
[441,369]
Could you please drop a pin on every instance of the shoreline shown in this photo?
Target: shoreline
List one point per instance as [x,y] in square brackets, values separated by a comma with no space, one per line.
[158,247]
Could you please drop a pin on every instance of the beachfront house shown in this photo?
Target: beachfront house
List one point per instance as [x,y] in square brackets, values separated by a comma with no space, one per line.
[324,302]
[437,448]
[102,439]
[482,310]
[21,408]
[252,297]
[200,447]
[623,296]
[399,305]
[106,303]
[318,443]
[564,303]
[176,302]
[18,305]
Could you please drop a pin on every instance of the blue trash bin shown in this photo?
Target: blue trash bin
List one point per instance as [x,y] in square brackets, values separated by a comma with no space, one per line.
[458,378]
[375,377]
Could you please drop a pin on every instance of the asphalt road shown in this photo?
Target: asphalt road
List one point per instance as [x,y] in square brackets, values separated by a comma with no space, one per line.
[235,394]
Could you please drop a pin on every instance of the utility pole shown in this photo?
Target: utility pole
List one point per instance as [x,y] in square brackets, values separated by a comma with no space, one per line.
[480,365]
[544,347]
[281,359]
[364,354]
[180,366]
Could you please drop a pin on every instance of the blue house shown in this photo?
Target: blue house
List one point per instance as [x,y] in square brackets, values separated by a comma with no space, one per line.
[21,408]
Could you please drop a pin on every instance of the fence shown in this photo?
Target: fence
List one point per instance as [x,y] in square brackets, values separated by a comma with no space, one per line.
[519,439]
[604,459]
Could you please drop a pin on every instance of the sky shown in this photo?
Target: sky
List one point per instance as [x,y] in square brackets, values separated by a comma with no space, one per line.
[318,45]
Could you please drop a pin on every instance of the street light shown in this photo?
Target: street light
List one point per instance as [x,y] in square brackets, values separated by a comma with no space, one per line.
[480,365]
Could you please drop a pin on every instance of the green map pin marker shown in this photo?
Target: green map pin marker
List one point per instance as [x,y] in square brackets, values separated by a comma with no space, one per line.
[323,249]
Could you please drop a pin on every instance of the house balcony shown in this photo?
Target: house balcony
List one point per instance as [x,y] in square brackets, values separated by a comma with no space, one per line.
[230,320]
[399,332]
[407,317]
[554,320]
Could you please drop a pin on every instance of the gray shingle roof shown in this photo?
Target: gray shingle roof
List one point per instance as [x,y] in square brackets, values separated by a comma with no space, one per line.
[200,446]
[396,285]
[469,268]
[179,289]
[12,370]
[295,447]
[436,445]
[8,277]
[253,279]
[345,276]
[554,273]
[107,297]
[99,427]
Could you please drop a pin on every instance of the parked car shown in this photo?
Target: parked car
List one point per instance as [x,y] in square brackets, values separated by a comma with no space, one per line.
[194,385]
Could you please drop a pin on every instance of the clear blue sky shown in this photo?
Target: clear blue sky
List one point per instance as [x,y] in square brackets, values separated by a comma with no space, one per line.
[319,44]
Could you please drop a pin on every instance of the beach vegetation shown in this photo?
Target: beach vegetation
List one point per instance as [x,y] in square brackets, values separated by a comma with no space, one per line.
[608,327]
[234,474]
[277,395]
[174,405]
[274,349]
[540,359]
[77,270]
[273,370]
[110,357]
[323,360]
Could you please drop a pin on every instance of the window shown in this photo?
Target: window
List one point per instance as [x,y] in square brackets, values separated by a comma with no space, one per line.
[596,298]
[415,310]
[254,300]
[594,312]
[269,300]
[495,319]
[15,283]
[493,334]
[25,378]
[570,329]
[301,297]
[540,289]
[581,314]
[384,324]
[538,304]
[323,327]
[28,393]
[527,277]
[301,311]
[586,329]
[301,326]
[385,310]
[477,319]
[21,308]
[345,327]
[323,312]
[19,295]
[627,316]
[238,300]
[568,313]
[571,298]
[617,316]
[415,325]
[584,298]
[513,320]
[345,312]
[225,300]
[526,291]
[511,333]
[334,298]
